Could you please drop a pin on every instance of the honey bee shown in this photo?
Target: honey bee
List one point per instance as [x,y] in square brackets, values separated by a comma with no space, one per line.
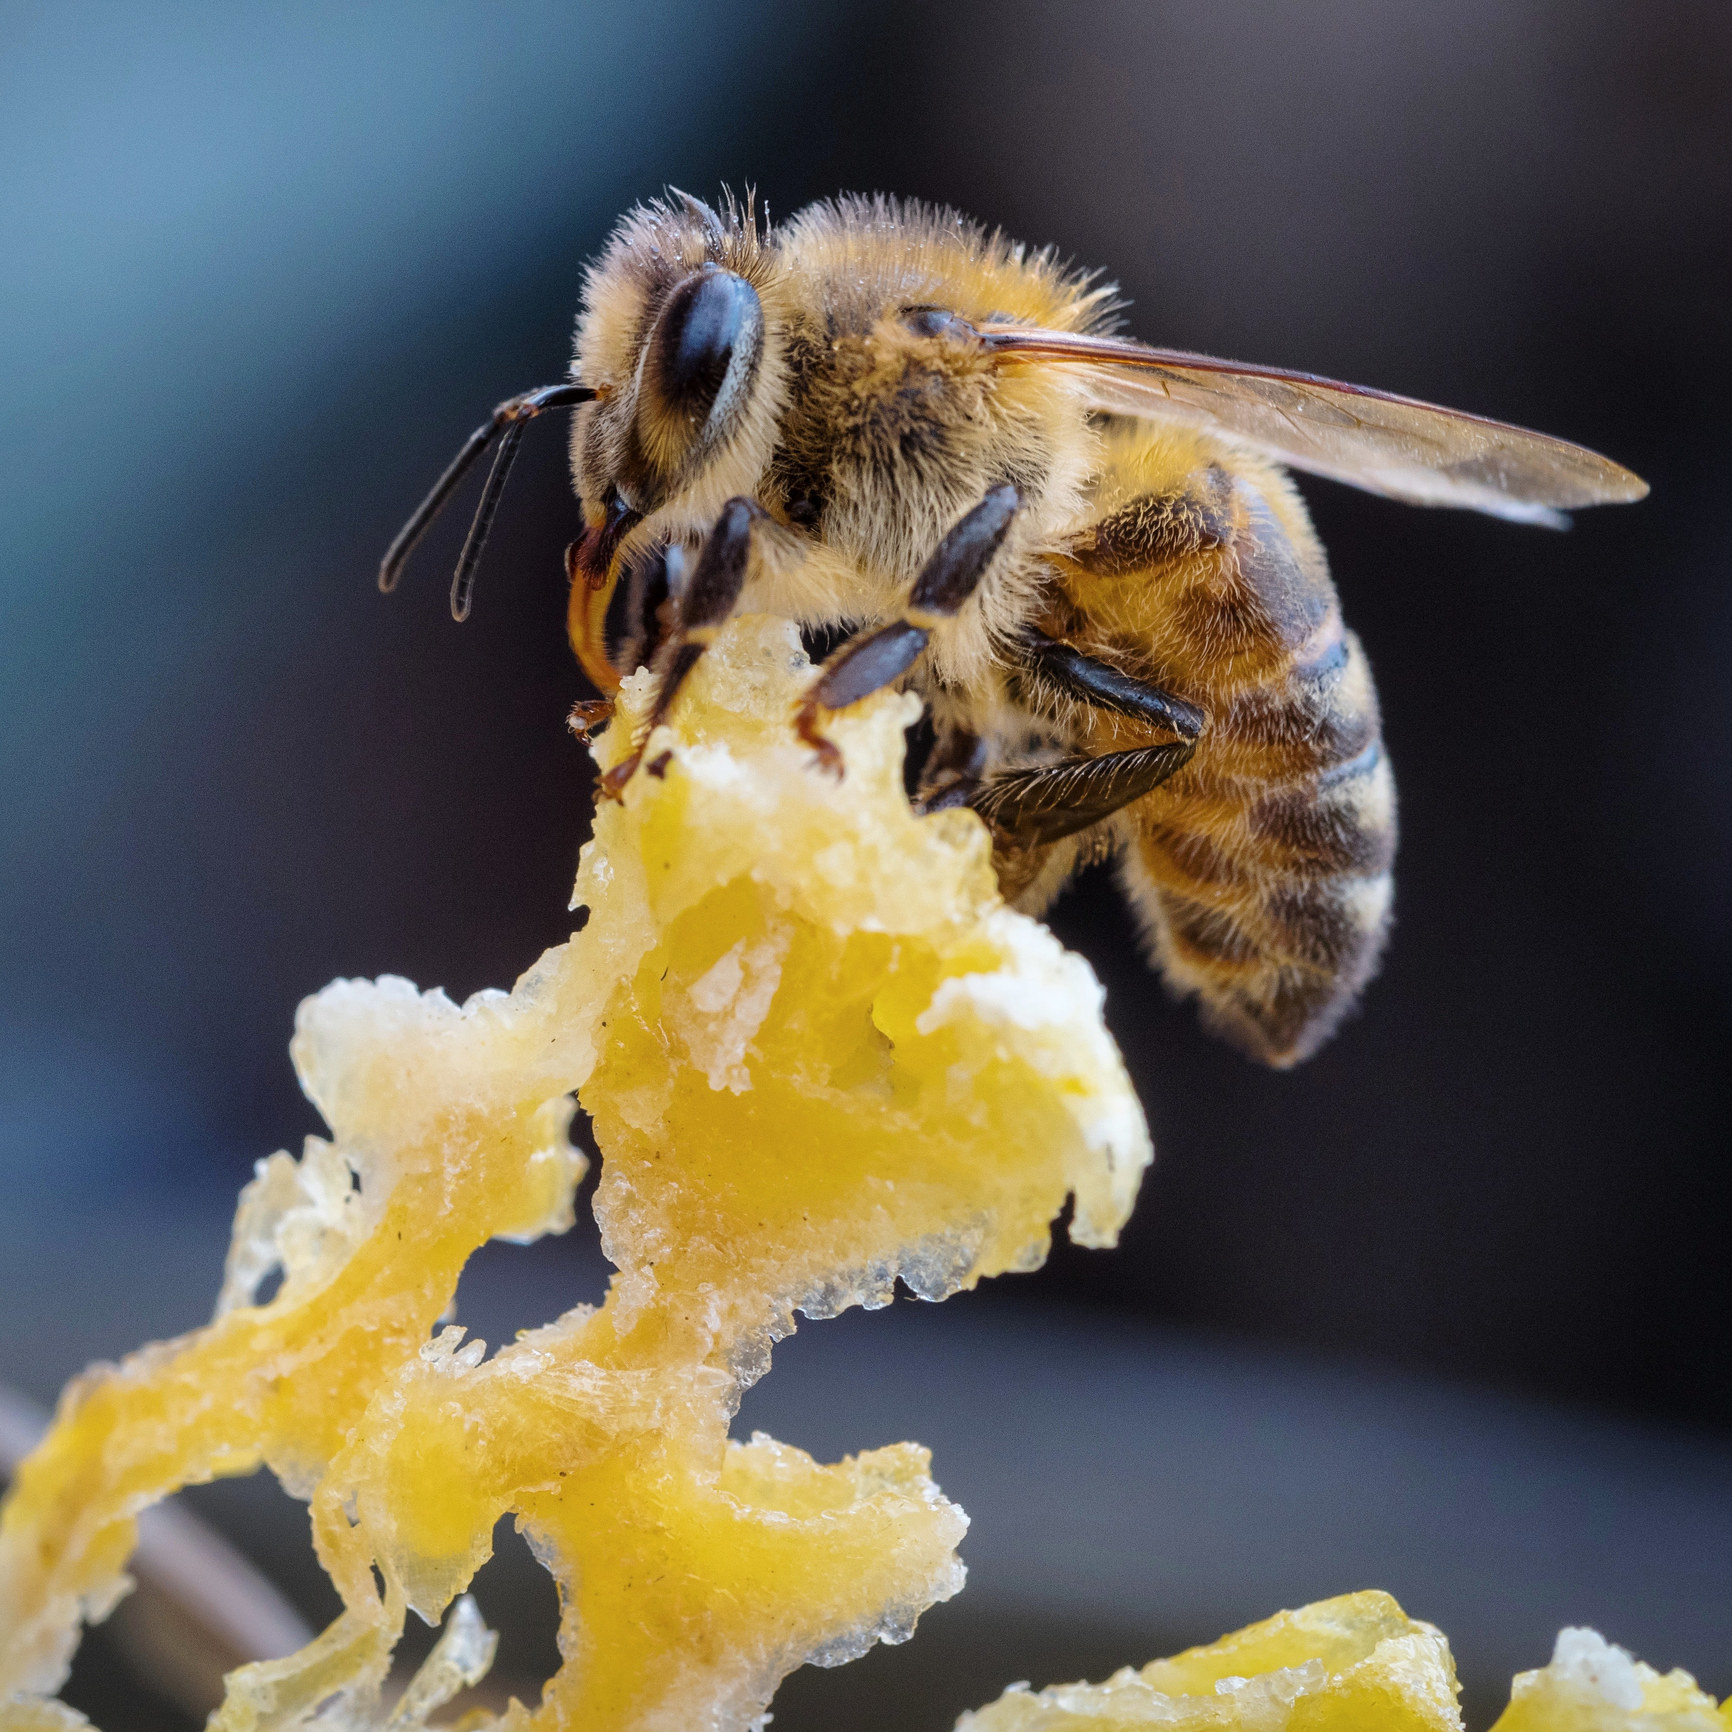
[929,444]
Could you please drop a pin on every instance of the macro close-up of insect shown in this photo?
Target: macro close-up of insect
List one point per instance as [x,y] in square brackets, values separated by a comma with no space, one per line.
[927,445]
[962,778]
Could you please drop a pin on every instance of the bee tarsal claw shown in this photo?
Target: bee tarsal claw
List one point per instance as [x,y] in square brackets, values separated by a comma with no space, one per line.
[587,714]
[806,726]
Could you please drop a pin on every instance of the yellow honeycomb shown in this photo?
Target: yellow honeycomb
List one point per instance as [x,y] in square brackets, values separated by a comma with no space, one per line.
[820,1055]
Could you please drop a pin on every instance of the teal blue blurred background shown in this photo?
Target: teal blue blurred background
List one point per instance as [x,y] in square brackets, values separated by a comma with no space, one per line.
[263,268]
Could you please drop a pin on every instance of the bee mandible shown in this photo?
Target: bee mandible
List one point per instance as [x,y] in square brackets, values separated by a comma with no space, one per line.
[930,443]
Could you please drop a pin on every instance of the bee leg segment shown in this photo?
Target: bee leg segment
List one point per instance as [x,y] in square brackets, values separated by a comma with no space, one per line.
[869,663]
[704,607]
[862,667]
[1102,686]
[1047,802]
[954,571]
[1051,801]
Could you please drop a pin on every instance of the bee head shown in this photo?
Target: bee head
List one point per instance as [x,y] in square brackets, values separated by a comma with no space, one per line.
[674,339]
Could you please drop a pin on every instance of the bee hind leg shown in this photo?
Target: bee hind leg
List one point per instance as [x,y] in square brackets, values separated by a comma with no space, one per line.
[876,659]
[704,608]
[1067,670]
[1045,803]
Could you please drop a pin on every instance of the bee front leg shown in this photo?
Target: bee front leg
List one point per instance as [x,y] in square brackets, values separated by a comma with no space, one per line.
[876,659]
[588,713]
[704,608]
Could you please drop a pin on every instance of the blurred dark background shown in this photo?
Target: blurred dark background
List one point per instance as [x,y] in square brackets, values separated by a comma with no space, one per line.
[265,267]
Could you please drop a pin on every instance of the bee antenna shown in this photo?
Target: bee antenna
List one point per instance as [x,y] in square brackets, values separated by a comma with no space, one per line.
[463,581]
[509,419]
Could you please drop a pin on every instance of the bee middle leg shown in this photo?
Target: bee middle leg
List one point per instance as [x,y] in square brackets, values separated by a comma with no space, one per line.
[704,608]
[876,659]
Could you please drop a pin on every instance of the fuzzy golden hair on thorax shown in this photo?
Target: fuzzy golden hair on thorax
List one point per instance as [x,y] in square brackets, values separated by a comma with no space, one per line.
[873,252]
[882,407]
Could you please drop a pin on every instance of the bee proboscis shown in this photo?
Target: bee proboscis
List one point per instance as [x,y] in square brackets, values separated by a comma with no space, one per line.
[1083,552]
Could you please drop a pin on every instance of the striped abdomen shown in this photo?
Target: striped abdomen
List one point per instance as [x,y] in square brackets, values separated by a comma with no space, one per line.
[1262,869]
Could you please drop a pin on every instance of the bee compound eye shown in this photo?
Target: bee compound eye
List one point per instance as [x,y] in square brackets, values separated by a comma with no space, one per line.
[706,342]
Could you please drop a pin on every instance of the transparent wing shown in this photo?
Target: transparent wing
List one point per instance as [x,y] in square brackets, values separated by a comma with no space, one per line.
[1372,439]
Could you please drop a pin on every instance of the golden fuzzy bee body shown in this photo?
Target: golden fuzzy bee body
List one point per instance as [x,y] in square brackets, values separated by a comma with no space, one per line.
[1084,553]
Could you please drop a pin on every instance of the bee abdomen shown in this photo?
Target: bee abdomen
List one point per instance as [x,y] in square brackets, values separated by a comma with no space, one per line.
[1276,970]
[1342,822]
[1278,1008]
[1263,870]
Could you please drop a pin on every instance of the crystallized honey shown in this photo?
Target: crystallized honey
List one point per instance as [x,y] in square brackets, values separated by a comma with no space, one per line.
[1356,1664]
[820,1055]
[1591,1686]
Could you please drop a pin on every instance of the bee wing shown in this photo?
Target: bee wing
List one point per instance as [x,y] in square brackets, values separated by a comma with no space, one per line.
[1385,444]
